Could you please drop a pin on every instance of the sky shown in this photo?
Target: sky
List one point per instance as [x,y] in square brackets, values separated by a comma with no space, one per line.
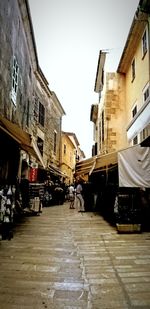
[69,35]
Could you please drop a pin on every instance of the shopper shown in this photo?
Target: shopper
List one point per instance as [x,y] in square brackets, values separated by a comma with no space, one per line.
[79,196]
[71,192]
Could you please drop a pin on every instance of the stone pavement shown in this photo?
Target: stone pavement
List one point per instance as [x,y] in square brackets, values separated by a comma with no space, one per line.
[70,260]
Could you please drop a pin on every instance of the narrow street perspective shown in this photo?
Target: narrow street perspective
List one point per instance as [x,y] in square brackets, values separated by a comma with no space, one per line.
[65,259]
[75,154]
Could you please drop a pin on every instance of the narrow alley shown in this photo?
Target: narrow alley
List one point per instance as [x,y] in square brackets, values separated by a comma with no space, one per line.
[70,260]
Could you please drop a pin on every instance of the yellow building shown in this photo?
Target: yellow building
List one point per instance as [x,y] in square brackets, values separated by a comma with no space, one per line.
[68,157]
[122,116]
[134,66]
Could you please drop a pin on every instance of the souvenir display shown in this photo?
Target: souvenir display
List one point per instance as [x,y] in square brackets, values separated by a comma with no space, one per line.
[7,208]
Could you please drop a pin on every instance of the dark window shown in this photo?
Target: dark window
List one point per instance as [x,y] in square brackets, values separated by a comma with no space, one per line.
[103,126]
[133,69]
[144,43]
[15,77]
[134,111]
[135,140]
[146,94]
[65,149]
[28,113]
[40,145]
[41,114]
[55,141]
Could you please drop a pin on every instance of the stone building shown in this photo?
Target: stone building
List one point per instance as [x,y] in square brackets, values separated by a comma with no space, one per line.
[30,113]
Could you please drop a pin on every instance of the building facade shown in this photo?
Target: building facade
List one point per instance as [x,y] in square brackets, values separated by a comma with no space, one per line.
[134,66]
[30,113]
[121,118]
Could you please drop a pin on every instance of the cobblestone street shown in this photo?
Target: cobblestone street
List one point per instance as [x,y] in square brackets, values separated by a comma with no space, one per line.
[70,260]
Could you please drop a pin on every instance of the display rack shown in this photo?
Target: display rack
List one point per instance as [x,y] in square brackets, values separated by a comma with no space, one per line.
[36,192]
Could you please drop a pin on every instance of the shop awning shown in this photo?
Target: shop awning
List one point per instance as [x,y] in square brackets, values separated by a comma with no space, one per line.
[134,167]
[85,166]
[37,151]
[96,163]
[56,171]
[24,139]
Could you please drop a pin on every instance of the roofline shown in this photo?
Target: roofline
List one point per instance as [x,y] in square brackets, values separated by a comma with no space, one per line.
[74,135]
[58,102]
[32,31]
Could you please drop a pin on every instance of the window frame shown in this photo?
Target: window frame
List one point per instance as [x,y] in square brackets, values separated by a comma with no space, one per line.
[55,142]
[41,114]
[146,90]
[133,70]
[144,43]
[15,79]
[134,110]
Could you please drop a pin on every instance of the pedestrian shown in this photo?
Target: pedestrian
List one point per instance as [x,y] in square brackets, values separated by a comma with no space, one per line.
[79,196]
[71,196]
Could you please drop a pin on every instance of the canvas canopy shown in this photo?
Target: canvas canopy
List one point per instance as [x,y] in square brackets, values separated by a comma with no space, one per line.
[134,167]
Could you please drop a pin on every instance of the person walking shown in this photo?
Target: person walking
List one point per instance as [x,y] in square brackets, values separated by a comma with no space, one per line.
[79,196]
[71,192]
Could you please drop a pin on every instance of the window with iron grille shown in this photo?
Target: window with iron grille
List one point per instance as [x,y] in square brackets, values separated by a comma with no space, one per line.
[41,114]
[15,75]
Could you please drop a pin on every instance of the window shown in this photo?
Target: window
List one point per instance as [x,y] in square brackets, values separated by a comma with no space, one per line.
[36,109]
[40,145]
[146,93]
[144,43]
[65,149]
[134,111]
[15,74]
[135,140]
[133,69]
[28,113]
[41,114]
[103,126]
[55,141]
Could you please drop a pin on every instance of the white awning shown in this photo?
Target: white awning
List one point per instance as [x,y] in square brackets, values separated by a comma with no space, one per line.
[142,120]
[37,151]
[134,167]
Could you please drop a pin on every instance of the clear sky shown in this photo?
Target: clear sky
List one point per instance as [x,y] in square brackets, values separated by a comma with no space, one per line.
[69,35]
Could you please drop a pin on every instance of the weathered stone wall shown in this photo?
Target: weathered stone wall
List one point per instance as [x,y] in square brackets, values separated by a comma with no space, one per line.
[115,113]
[13,43]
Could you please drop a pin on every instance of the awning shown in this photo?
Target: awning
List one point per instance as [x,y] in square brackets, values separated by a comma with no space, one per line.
[106,161]
[134,167]
[85,166]
[56,171]
[96,163]
[24,139]
[140,122]
[37,151]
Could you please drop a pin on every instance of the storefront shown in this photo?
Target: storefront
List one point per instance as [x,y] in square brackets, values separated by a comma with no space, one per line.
[124,174]
[17,156]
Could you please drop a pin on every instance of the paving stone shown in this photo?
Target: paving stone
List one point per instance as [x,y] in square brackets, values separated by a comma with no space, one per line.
[68,260]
